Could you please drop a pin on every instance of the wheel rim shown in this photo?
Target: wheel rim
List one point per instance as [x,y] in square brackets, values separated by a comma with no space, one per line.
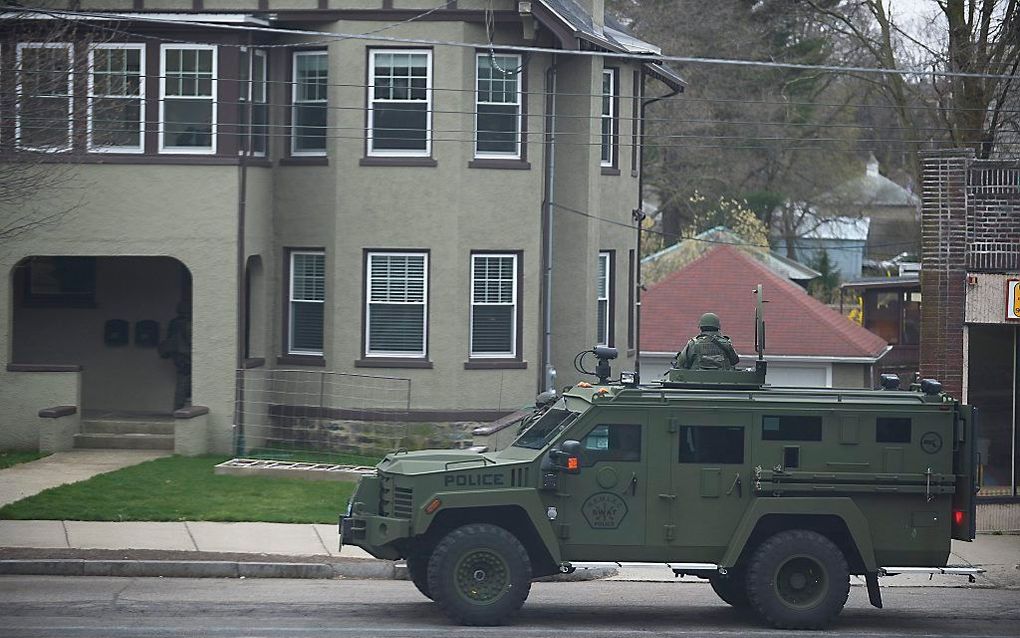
[801,582]
[482,576]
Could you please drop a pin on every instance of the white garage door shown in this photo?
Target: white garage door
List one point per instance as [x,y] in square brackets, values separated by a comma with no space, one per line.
[798,375]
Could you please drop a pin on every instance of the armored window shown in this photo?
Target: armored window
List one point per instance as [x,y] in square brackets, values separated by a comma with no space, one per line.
[603,305]
[253,103]
[44,97]
[493,305]
[116,98]
[711,444]
[396,312]
[892,430]
[307,302]
[187,99]
[613,442]
[400,103]
[311,79]
[498,106]
[609,117]
[791,428]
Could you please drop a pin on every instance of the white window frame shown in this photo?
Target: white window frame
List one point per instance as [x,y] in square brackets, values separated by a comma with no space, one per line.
[294,151]
[189,150]
[291,301]
[605,270]
[513,309]
[141,98]
[69,48]
[611,116]
[427,152]
[419,354]
[516,154]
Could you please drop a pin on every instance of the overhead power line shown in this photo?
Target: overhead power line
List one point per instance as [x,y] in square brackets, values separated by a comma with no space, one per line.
[333,36]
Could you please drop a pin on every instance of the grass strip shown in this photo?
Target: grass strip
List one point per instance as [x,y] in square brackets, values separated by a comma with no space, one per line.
[181,488]
[10,458]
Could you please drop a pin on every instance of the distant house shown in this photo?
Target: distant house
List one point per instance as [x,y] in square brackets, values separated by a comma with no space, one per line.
[807,344]
[891,308]
[657,265]
[894,211]
[844,239]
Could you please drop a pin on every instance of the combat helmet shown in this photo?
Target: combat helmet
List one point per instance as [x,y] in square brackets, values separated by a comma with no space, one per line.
[709,321]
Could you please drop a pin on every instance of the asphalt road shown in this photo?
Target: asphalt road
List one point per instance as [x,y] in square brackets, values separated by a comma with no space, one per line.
[72,607]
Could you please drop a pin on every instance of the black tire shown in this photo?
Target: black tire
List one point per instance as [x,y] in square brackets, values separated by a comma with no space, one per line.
[798,579]
[732,588]
[479,574]
[418,570]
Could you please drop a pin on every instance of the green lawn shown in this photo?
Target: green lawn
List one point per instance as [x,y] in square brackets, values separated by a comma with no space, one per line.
[13,457]
[185,489]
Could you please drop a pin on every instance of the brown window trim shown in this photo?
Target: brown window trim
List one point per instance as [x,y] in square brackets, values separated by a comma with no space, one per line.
[397,161]
[304,160]
[301,360]
[254,362]
[609,170]
[635,122]
[43,367]
[501,164]
[495,364]
[392,362]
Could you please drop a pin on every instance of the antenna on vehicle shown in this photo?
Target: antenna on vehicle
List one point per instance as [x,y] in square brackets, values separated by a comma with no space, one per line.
[759,328]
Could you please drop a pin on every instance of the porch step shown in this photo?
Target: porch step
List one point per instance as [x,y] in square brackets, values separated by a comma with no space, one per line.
[126,426]
[132,441]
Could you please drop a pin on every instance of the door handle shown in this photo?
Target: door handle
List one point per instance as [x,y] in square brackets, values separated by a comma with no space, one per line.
[668,497]
[736,486]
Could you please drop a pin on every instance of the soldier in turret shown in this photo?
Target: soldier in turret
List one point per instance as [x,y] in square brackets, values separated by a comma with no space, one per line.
[709,350]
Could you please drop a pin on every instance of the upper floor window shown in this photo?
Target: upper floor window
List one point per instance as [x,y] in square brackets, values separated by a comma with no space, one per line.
[310,90]
[116,114]
[603,309]
[307,302]
[187,99]
[493,305]
[254,106]
[397,308]
[400,101]
[609,116]
[44,96]
[498,106]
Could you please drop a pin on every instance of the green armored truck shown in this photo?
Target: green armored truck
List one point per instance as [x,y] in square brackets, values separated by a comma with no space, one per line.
[774,495]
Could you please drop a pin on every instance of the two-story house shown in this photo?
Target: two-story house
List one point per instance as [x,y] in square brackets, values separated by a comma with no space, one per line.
[441,194]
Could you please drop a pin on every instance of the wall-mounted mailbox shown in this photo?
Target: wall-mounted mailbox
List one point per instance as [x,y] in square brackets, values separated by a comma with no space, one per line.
[146,333]
[116,332]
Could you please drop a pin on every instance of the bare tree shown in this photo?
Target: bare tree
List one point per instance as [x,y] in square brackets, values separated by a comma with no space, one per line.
[45,94]
[977,39]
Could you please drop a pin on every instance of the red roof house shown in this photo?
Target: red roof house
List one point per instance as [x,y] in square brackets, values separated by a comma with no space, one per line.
[807,343]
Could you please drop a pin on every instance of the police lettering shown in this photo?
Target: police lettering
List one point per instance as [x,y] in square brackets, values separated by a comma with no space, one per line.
[474,480]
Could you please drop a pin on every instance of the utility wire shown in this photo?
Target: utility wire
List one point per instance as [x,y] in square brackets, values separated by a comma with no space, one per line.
[333,36]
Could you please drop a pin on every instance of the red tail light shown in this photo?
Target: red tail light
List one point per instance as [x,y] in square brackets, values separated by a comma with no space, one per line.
[957,517]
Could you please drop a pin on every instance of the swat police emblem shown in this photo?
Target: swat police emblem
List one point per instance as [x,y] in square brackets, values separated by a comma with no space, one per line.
[604,510]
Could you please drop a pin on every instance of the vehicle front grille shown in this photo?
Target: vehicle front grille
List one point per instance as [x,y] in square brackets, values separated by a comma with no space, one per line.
[403,502]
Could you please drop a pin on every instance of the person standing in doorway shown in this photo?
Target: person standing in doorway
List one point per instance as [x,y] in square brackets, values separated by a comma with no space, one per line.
[177,347]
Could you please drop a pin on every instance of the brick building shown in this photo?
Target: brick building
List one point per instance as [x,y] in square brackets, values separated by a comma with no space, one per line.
[970,283]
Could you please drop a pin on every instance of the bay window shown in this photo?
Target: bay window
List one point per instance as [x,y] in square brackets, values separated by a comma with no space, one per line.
[400,103]
[187,99]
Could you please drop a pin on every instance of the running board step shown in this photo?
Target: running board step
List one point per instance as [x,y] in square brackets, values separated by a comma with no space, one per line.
[949,570]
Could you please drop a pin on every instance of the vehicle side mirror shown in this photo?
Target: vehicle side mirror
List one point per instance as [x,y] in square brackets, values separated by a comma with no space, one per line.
[566,457]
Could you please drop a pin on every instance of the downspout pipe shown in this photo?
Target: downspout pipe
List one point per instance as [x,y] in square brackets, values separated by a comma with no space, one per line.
[245,112]
[548,380]
[639,217]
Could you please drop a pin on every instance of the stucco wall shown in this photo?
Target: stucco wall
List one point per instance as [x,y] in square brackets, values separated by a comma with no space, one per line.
[851,375]
[986,299]
[183,212]
[23,394]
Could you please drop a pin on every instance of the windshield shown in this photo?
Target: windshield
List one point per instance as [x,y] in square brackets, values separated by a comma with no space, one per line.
[539,433]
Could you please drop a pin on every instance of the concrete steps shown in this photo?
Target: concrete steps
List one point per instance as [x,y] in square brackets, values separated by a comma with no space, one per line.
[126,434]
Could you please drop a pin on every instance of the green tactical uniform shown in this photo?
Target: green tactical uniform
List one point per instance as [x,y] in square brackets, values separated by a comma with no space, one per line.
[709,350]
[177,347]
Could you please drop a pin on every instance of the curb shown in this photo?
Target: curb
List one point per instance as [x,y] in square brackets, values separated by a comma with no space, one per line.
[367,569]
[353,569]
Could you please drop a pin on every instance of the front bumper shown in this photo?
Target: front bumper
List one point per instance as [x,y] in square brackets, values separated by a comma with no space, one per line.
[375,534]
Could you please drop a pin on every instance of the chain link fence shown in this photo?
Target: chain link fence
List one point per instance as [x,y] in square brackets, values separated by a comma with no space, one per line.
[321,417]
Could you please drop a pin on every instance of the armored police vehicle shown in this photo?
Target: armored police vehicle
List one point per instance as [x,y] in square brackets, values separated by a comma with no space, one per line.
[775,495]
